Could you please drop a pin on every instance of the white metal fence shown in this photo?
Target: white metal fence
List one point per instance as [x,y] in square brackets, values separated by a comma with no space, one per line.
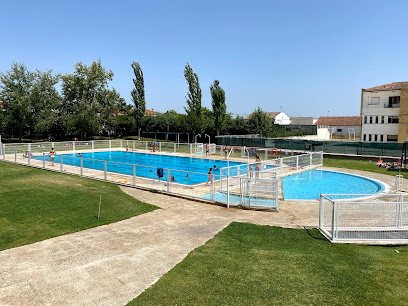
[245,189]
[376,220]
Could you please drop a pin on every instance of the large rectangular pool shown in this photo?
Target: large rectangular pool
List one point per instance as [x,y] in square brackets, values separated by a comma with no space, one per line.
[118,162]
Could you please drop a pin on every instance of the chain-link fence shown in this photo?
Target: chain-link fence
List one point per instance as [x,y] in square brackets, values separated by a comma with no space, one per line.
[348,218]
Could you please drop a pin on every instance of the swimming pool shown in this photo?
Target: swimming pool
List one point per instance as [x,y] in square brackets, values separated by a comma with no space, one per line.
[151,161]
[310,184]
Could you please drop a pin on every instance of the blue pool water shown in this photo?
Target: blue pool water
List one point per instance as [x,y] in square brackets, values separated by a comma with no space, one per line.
[309,185]
[154,161]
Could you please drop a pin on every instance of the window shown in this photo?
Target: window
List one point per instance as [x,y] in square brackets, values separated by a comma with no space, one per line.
[375,137]
[369,137]
[376,119]
[364,137]
[394,101]
[382,119]
[381,138]
[339,130]
[393,119]
[365,119]
[392,137]
[374,101]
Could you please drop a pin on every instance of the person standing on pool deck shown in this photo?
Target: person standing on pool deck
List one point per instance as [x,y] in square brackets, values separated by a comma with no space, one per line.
[210,177]
[52,156]
[207,149]
[127,149]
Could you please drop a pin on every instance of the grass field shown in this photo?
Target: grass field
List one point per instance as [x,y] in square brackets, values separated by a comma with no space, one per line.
[37,204]
[364,165]
[246,264]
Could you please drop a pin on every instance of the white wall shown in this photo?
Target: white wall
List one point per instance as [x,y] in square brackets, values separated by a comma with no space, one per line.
[282,119]
[379,110]
[302,120]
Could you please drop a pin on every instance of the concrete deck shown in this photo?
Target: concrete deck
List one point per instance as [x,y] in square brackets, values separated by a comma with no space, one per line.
[112,264]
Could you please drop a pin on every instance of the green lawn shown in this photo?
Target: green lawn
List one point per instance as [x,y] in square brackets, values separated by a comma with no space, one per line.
[246,264]
[37,204]
[365,165]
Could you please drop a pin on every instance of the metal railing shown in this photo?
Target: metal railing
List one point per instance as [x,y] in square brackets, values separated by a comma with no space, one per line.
[348,218]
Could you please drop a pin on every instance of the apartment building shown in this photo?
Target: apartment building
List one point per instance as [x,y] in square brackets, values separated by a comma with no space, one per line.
[384,113]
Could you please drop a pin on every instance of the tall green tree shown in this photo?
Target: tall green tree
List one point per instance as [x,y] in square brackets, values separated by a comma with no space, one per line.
[218,105]
[193,100]
[30,100]
[138,95]
[260,123]
[90,106]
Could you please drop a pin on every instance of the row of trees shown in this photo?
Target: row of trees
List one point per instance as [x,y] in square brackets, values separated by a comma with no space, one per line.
[86,106]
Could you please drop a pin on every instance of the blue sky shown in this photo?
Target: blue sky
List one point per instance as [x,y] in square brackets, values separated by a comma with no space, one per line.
[310,57]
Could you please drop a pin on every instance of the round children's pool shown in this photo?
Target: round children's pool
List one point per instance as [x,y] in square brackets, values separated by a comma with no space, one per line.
[309,185]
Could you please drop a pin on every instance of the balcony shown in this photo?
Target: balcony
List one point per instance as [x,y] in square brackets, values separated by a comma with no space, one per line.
[388,105]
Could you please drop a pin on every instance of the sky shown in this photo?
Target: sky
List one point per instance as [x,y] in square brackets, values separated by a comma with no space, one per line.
[306,58]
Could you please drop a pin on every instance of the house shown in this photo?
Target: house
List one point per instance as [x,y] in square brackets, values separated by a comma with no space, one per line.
[278,117]
[384,113]
[342,126]
[149,112]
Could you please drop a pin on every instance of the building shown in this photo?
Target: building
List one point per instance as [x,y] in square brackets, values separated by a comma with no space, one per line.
[278,117]
[302,120]
[384,113]
[342,126]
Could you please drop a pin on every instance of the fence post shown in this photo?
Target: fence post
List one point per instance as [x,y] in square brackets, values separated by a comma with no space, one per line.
[29,147]
[134,174]
[228,191]
[121,143]
[53,144]
[93,145]
[133,145]
[321,158]
[81,162]
[159,146]
[110,144]
[4,152]
[321,206]
[146,145]
[43,160]
[15,155]
[73,146]
[175,150]
[297,162]
[105,170]
[281,165]
[266,154]
[333,219]
[168,180]
[28,157]
[61,163]
[311,158]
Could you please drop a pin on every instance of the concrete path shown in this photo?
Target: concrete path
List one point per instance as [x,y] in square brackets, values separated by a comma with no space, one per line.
[111,264]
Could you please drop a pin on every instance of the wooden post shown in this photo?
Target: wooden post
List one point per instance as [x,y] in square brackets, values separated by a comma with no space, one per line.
[100,202]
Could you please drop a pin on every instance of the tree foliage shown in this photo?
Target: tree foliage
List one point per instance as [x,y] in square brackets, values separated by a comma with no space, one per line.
[218,105]
[138,94]
[90,106]
[30,100]
[193,100]
[260,123]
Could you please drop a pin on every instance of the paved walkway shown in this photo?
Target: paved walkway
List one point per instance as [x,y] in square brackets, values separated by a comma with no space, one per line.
[111,264]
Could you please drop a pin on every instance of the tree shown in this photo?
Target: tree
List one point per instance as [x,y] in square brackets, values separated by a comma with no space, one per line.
[30,100]
[218,105]
[15,92]
[138,95]
[45,101]
[260,123]
[193,100]
[89,106]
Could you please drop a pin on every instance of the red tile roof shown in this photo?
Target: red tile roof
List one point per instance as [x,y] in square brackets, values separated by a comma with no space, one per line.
[149,112]
[390,86]
[339,121]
